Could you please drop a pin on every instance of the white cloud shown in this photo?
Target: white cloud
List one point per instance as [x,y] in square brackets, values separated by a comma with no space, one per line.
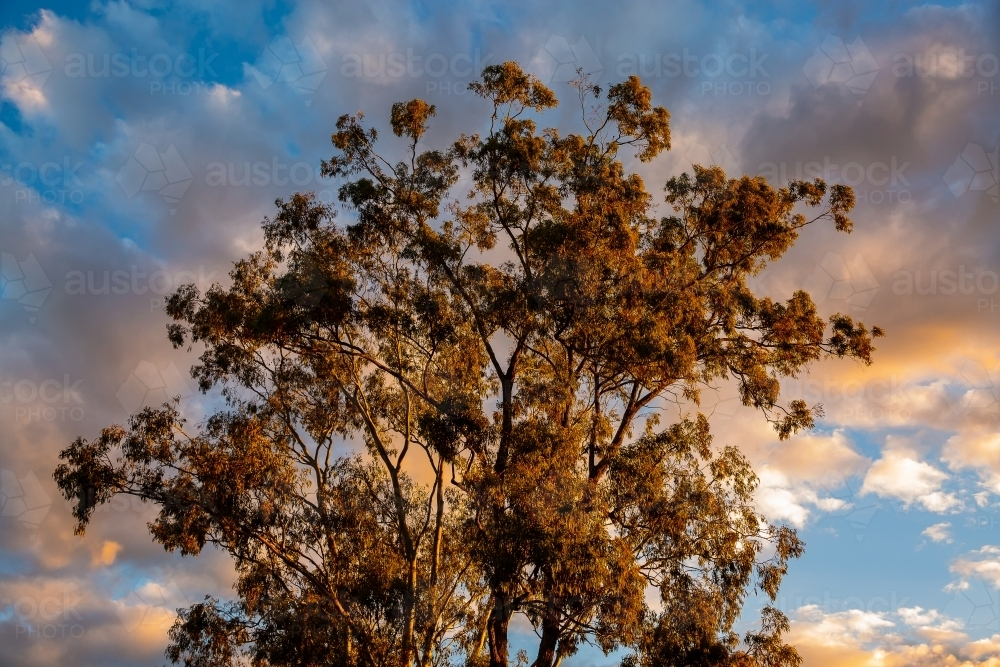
[779,503]
[984,648]
[784,497]
[804,476]
[939,532]
[850,628]
[910,637]
[940,502]
[976,449]
[918,617]
[932,625]
[900,475]
[982,563]
[814,456]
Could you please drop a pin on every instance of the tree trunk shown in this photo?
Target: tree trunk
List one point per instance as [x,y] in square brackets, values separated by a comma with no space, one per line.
[547,647]
[410,616]
[499,620]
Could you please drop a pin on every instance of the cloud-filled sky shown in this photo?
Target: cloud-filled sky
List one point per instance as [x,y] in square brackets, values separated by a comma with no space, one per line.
[141,144]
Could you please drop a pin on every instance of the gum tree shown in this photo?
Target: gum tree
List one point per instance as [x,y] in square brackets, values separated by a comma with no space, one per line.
[445,412]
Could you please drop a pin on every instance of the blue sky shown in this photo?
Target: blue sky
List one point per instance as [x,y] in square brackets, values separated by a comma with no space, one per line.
[142,143]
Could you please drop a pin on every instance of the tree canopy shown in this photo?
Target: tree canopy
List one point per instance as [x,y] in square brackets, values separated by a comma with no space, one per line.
[445,414]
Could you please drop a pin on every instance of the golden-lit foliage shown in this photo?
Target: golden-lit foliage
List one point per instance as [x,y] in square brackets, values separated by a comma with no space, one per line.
[553,492]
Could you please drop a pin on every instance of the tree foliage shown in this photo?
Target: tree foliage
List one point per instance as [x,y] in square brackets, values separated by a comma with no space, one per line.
[445,412]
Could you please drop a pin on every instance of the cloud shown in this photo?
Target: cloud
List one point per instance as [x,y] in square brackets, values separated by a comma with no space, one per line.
[813,456]
[851,628]
[988,647]
[803,476]
[779,503]
[982,563]
[932,625]
[231,119]
[977,449]
[900,475]
[939,532]
[106,554]
[909,636]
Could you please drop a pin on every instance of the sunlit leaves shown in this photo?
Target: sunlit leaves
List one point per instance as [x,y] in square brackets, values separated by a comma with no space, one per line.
[445,412]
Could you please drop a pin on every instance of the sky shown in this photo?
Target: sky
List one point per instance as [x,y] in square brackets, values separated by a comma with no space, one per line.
[142,143]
